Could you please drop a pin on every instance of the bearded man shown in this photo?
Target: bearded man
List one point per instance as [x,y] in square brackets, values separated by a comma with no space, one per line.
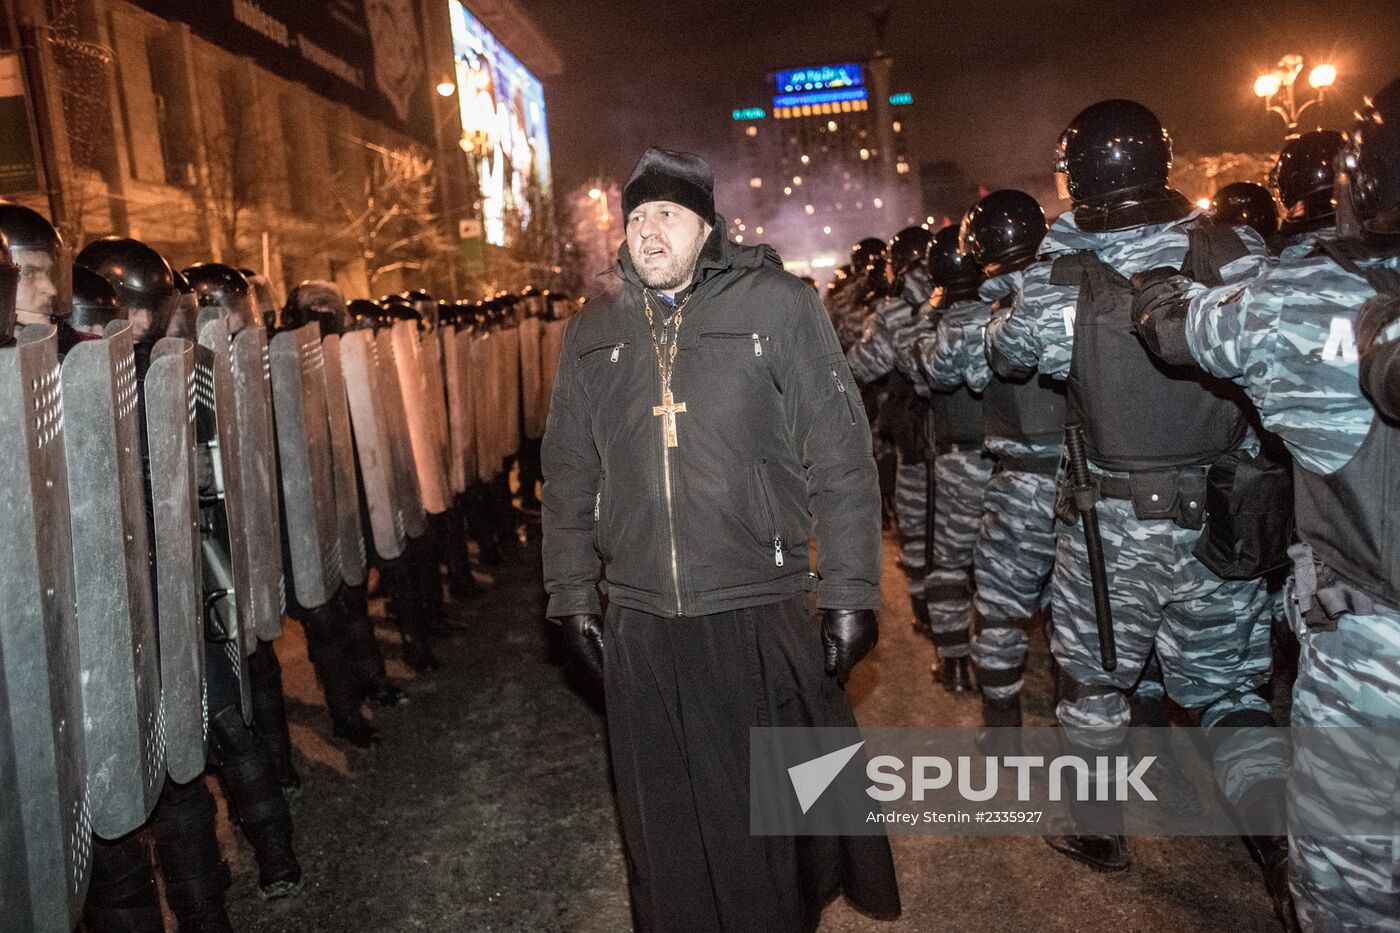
[703,426]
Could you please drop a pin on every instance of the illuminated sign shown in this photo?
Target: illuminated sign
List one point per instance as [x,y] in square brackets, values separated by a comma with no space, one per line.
[750,113]
[901,100]
[811,98]
[819,78]
[503,129]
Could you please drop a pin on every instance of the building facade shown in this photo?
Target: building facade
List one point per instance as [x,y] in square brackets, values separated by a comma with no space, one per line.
[302,138]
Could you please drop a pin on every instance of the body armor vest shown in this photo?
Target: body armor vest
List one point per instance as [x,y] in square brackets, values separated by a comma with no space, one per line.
[1351,518]
[956,418]
[1138,412]
[1031,411]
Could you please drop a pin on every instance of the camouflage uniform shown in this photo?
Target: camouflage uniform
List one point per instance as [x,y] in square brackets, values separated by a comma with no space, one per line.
[890,332]
[951,356]
[846,310]
[1211,636]
[1287,339]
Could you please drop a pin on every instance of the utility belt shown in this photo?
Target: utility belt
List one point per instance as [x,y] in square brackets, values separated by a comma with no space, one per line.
[1319,596]
[1242,505]
[1040,464]
[1178,495]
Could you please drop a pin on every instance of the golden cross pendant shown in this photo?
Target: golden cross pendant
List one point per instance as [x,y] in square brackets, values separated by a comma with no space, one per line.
[667,410]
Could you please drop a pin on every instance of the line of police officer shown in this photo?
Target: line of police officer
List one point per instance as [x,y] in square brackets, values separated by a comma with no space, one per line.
[1141,415]
[184,466]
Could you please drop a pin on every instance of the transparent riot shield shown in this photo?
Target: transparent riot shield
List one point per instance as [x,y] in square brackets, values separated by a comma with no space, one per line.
[347,488]
[420,417]
[396,420]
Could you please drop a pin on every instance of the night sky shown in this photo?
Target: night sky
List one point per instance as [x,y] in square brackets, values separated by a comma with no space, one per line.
[993,83]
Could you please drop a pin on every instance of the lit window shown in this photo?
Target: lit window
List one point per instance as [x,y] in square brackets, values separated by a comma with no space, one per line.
[742,227]
[865,155]
[826,230]
[902,168]
[806,159]
[751,131]
[930,220]
[797,179]
[787,189]
[739,238]
[878,203]
[831,126]
[898,127]
[758,230]
[755,182]
[810,209]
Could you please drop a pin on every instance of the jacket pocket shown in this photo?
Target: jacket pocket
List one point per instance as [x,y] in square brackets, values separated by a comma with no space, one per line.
[599,529]
[758,341]
[769,506]
[614,346]
[843,392]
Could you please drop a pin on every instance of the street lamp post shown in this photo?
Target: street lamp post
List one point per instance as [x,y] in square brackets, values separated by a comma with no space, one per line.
[1276,88]
[604,215]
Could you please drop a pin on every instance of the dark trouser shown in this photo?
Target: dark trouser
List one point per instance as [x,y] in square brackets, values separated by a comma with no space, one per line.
[681,697]
[270,710]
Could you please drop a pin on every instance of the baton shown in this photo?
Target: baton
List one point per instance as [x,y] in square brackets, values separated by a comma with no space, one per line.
[1085,496]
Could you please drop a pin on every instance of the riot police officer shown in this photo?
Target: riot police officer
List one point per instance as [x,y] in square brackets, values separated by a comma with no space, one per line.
[1302,180]
[1245,204]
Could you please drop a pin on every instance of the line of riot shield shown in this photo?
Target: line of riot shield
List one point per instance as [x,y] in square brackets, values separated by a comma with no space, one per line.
[466,411]
[415,520]
[532,398]
[221,544]
[420,417]
[347,488]
[304,452]
[452,383]
[49,860]
[173,474]
[551,345]
[435,394]
[510,390]
[484,373]
[264,600]
[370,413]
[117,647]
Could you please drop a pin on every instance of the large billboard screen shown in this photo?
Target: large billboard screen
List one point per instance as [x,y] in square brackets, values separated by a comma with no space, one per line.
[506,136]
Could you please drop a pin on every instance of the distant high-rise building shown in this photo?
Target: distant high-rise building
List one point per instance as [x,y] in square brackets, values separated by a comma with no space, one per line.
[822,163]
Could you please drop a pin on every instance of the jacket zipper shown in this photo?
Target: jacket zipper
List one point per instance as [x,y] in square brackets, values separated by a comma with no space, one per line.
[766,492]
[616,349]
[841,387]
[756,338]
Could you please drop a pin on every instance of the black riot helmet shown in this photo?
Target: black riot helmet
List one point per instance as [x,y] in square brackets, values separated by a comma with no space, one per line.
[908,248]
[45,265]
[143,279]
[425,304]
[951,272]
[1303,179]
[1002,232]
[95,303]
[1113,151]
[869,253]
[316,300]
[1372,163]
[223,291]
[1245,204]
[362,314]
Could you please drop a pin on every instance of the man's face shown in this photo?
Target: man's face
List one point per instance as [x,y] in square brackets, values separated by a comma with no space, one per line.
[35,300]
[665,240]
[150,320]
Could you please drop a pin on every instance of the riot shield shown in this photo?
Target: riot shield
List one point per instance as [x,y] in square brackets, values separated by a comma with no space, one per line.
[41,679]
[467,414]
[551,345]
[486,398]
[369,416]
[347,488]
[532,399]
[257,476]
[171,411]
[457,418]
[222,548]
[435,394]
[420,417]
[396,421]
[117,647]
[510,391]
[304,455]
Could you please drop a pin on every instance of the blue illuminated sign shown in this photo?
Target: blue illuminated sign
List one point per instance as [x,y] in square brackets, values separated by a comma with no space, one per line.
[901,100]
[819,97]
[750,113]
[819,78]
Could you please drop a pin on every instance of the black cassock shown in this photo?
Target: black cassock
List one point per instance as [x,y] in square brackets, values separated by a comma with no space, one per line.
[681,697]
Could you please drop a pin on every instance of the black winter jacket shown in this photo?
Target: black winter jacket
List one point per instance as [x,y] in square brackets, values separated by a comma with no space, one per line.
[774,449]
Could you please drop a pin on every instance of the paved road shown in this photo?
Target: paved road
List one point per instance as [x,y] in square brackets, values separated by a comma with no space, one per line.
[488,807]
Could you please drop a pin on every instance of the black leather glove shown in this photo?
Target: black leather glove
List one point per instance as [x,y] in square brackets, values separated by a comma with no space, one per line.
[1159,313]
[847,636]
[583,633]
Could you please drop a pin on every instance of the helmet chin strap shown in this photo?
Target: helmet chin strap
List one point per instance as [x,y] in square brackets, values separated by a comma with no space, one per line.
[1131,209]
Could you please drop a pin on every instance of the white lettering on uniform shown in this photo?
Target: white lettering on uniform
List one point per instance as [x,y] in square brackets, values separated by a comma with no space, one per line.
[1341,342]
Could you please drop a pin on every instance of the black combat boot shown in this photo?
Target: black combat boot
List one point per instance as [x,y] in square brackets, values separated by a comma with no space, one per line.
[953,674]
[483,528]
[1094,833]
[256,801]
[408,608]
[921,624]
[122,895]
[328,645]
[270,715]
[461,584]
[1000,734]
[196,877]
[373,679]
